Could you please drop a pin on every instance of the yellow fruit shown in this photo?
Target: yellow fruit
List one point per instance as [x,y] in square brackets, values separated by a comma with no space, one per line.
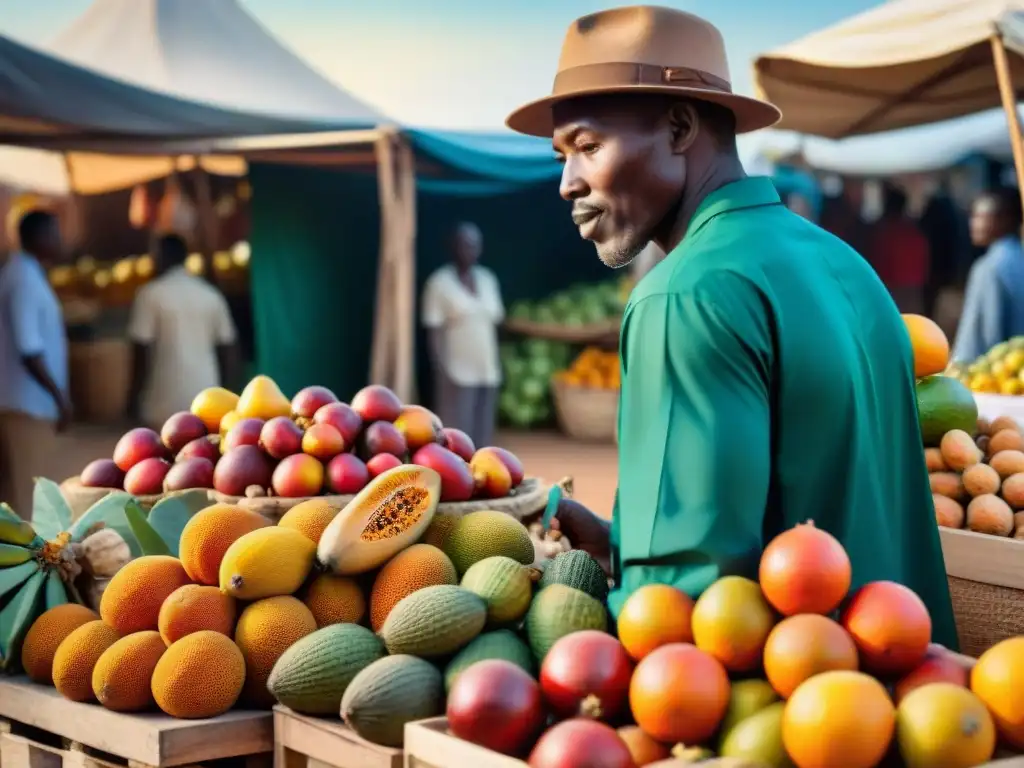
[942,725]
[758,738]
[265,630]
[998,680]
[310,518]
[731,621]
[201,675]
[1011,387]
[421,565]
[123,676]
[211,404]
[76,658]
[262,399]
[46,634]
[207,536]
[228,421]
[335,600]
[132,600]
[984,382]
[388,515]
[193,608]
[266,562]
[746,698]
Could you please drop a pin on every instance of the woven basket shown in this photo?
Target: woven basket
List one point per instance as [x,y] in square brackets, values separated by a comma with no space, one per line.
[586,413]
[80,497]
[605,332]
[986,584]
[99,379]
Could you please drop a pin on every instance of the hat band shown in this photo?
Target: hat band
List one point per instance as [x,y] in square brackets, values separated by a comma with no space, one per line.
[613,74]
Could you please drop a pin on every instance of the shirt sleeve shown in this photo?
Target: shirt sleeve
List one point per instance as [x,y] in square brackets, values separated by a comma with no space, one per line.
[497,306]
[981,317]
[698,366]
[224,326]
[432,313]
[142,323]
[26,321]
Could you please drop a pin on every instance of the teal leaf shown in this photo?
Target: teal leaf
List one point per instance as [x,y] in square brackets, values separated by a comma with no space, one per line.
[16,617]
[149,540]
[13,577]
[51,514]
[110,512]
[169,515]
[56,594]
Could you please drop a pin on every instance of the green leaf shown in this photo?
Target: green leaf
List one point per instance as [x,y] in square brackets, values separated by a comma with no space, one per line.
[149,540]
[56,594]
[110,511]
[50,511]
[16,617]
[14,577]
[169,515]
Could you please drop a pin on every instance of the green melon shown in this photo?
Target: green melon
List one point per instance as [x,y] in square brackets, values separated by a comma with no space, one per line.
[576,569]
[487,533]
[558,611]
[504,585]
[434,621]
[312,675]
[389,693]
[501,644]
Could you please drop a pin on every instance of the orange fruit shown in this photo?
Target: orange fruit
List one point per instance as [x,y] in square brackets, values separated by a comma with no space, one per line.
[642,748]
[731,621]
[943,725]
[678,693]
[938,667]
[930,345]
[804,570]
[803,646]
[653,616]
[998,680]
[890,625]
[212,404]
[838,719]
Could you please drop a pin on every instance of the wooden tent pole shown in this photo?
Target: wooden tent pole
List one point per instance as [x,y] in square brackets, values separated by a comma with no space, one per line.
[1008,96]
[405,272]
[207,218]
[382,348]
[75,203]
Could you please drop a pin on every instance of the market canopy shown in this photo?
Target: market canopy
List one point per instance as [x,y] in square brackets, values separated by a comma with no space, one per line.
[903,63]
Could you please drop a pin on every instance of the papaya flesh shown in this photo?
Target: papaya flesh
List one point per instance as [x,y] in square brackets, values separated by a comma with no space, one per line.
[388,515]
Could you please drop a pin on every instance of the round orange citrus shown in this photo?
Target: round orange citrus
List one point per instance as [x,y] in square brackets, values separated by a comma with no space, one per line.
[942,725]
[998,680]
[838,719]
[930,345]
[653,616]
[804,570]
[731,621]
[890,625]
[803,646]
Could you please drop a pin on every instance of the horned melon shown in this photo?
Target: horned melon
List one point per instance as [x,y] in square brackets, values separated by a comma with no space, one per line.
[504,585]
[46,634]
[310,517]
[434,621]
[579,570]
[265,630]
[500,644]
[388,515]
[559,610]
[421,565]
[267,562]
[389,693]
[132,600]
[312,675]
[487,533]
[209,534]
[76,658]
[122,679]
[195,607]
[201,675]
[335,600]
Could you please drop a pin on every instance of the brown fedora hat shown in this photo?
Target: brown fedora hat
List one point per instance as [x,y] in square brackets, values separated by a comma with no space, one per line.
[643,49]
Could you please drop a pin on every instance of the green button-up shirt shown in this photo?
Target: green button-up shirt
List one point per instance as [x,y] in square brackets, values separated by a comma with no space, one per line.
[767,380]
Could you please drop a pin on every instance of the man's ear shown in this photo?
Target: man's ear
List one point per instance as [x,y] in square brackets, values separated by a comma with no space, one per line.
[685,124]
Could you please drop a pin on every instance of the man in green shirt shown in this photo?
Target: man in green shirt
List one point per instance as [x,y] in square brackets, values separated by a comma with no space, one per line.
[767,377]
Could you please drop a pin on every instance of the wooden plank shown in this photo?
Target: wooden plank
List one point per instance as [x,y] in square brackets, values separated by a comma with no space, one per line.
[429,745]
[1008,97]
[149,739]
[982,557]
[320,742]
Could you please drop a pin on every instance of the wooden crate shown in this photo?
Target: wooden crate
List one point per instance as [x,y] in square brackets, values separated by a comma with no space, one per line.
[42,728]
[301,741]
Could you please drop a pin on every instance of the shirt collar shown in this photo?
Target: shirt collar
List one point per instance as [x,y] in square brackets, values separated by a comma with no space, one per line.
[750,192]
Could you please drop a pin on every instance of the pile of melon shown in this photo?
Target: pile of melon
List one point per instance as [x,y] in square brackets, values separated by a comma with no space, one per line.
[977,481]
[363,601]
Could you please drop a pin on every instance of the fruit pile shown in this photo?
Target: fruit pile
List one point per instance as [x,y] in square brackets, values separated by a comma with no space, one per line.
[330,611]
[756,672]
[998,371]
[577,306]
[261,444]
[528,365]
[593,368]
[978,482]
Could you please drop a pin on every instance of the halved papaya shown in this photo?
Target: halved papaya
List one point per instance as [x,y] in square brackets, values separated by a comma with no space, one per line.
[384,518]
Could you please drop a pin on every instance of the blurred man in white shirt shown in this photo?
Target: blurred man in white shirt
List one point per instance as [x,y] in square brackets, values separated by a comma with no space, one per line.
[183,338]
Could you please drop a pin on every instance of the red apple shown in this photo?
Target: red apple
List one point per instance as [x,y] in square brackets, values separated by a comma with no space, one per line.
[343,418]
[347,474]
[307,401]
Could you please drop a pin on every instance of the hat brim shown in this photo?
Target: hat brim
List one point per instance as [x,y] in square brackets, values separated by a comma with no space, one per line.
[537,119]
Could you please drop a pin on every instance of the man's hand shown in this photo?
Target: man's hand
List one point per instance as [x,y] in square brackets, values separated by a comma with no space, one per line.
[585,530]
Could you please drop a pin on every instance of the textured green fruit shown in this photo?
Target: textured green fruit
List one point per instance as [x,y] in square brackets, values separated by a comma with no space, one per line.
[559,610]
[434,621]
[502,644]
[389,693]
[487,533]
[17,616]
[576,569]
[16,532]
[13,554]
[504,585]
[944,404]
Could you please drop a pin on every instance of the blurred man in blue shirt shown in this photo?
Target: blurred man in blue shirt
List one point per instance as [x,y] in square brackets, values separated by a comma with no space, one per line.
[994,298]
[33,361]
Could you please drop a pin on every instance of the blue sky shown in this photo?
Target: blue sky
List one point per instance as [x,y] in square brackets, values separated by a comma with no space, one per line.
[460,63]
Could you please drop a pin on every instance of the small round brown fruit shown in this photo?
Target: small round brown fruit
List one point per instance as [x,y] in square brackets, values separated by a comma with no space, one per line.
[1013,490]
[948,513]
[990,514]
[959,451]
[1008,463]
[980,480]
[934,461]
[1003,422]
[947,484]
[1006,440]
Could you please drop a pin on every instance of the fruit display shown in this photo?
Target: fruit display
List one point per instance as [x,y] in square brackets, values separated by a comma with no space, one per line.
[798,669]
[577,306]
[261,444]
[593,368]
[998,371]
[977,478]
[527,366]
